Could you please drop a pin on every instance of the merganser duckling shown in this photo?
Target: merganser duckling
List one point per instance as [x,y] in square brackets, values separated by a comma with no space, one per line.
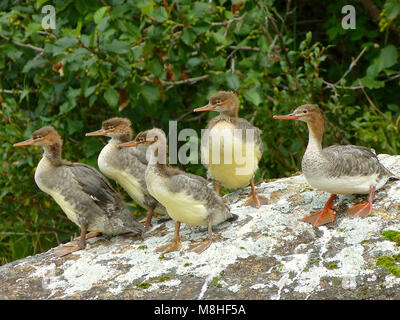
[337,169]
[186,197]
[127,166]
[237,169]
[80,190]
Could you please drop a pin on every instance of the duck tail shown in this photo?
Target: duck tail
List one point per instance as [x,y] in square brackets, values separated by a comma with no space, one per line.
[233,217]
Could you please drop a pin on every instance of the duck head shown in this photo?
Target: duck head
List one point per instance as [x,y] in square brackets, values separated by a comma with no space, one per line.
[117,128]
[224,102]
[45,136]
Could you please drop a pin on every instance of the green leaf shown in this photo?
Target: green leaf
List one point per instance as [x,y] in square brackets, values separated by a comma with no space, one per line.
[188,36]
[112,96]
[392,8]
[156,67]
[150,93]
[12,52]
[146,6]
[32,64]
[160,14]
[39,3]
[370,83]
[32,28]
[232,81]
[99,14]
[64,43]
[253,97]
[137,52]
[74,126]
[219,38]
[66,107]
[387,57]
[218,63]
[200,9]
[117,46]
[195,61]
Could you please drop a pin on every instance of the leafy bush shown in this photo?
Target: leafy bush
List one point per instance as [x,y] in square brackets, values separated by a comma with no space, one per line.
[154,61]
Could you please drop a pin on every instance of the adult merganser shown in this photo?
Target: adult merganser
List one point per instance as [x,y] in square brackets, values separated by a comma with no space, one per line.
[81,191]
[345,169]
[237,144]
[127,166]
[186,197]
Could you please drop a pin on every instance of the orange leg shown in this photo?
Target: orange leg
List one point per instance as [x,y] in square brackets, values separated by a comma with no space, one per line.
[363,209]
[218,190]
[69,248]
[175,245]
[205,244]
[255,200]
[147,221]
[90,235]
[323,216]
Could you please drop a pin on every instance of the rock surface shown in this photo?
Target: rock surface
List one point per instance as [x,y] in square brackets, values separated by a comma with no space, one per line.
[266,254]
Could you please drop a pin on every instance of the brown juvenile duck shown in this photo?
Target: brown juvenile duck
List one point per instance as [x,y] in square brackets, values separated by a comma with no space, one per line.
[126,166]
[186,197]
[81,191]
[230,131]
[337,169]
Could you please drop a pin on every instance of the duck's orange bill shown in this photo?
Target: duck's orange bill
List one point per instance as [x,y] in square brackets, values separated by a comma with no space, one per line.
[128,144]
[100,132]
[24,143]
[287,117]
[207,107]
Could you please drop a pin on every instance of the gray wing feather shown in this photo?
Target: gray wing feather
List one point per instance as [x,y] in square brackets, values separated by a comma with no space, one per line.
[350,160]
[107,201]
[96,186]
[198,187]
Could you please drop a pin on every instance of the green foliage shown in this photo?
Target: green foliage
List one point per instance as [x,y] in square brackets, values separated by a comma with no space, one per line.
[154,61]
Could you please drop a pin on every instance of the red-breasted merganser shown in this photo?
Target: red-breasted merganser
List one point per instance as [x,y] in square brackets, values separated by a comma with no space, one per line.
[186,197]
[83,193]
[345,169]
[237,144]
[127,166]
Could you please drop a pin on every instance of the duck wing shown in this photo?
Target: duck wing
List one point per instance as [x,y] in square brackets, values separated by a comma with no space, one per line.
[244,125]
[103,198]
[96,186]
[198,188]
[351,160]
[139,153]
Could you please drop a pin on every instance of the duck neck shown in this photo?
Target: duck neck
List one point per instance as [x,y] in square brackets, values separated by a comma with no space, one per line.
[158,153]
[53,153]
[230,113]
[315,134]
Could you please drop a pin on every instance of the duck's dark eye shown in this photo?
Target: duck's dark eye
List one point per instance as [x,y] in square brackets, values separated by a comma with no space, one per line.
[218,101]
[305,111]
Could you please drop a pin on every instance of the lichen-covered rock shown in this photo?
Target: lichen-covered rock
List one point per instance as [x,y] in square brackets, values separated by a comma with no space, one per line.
[266,254]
